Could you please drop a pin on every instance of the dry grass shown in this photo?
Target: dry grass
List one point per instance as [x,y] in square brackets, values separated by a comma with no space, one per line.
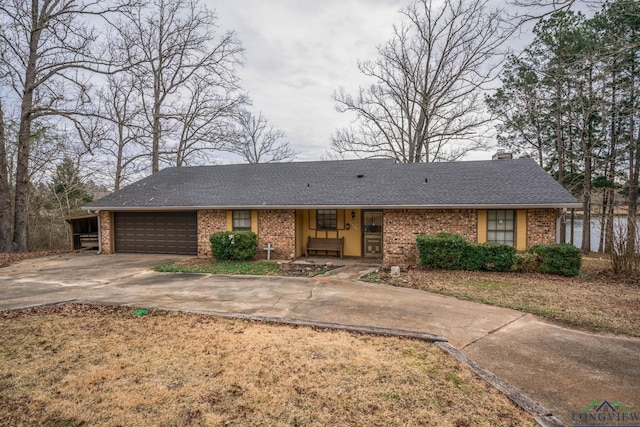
[83,365]
[597,300]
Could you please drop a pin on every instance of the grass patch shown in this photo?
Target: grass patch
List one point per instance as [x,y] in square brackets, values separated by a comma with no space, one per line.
[597,300]
[254,268]
[87,365]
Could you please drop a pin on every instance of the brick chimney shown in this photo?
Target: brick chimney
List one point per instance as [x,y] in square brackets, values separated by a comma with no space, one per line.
[501,154]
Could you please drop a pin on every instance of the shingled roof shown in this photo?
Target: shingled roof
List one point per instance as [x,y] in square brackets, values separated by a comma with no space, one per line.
[518,183]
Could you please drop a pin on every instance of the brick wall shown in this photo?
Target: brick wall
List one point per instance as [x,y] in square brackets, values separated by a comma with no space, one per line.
[105,232]
[277,227]
[209,222]
[541,226]
[402,226]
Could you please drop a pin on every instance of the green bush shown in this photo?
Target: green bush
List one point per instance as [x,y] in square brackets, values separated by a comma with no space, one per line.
[233,245]
[527,263]
[497,257]
[453,252]
[444,250]
[562,258]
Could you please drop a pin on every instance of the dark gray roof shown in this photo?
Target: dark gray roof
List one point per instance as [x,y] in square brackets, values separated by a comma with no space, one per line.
[383,183]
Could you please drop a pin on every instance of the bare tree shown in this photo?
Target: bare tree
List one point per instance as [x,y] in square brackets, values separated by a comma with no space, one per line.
[426,101]
[257,141]
[175,44]
[121,145]
[46,57]
[204,122]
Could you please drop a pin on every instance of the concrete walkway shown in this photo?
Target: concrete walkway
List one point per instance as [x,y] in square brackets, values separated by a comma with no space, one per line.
[563,369]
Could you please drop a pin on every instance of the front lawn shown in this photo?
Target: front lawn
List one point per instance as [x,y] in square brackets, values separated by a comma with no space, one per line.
[78,365]
[596,300]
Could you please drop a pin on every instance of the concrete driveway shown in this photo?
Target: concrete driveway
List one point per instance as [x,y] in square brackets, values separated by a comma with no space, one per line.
[563,369]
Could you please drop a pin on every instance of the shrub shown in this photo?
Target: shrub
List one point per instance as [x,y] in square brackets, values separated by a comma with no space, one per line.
[562,258]
[233,245]
[625,258]
[527,263]
[453,252]
[444,250]
[497,257]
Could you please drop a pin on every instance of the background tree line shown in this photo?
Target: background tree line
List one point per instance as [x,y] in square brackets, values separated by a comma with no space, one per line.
[105,91]
[570,100]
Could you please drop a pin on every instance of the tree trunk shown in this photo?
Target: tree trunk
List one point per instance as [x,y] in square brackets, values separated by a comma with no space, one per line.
[5,191]
[21,204]
[632,216]
[119,157]
[634,172]
[560,151]
[587,148]
[21,201]
[586,207]
[155,143]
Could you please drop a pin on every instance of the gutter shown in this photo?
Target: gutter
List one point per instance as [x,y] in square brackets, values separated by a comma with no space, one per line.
[265,206]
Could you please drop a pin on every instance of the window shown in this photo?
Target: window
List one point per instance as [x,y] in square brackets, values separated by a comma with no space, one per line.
[241,220]
[500,227]
[327,219]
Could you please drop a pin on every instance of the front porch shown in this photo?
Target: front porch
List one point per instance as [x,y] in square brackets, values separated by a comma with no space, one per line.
[361,230]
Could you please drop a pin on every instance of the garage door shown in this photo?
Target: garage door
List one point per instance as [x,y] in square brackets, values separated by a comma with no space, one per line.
[156,232]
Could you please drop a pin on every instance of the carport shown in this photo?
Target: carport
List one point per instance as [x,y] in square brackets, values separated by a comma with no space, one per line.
[83,231]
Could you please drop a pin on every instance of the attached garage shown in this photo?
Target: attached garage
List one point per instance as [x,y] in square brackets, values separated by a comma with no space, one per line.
[156,232]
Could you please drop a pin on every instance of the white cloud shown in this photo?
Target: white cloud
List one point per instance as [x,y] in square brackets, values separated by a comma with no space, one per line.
[299,52]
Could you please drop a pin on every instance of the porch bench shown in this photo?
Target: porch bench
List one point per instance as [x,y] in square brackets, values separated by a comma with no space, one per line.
[325,244]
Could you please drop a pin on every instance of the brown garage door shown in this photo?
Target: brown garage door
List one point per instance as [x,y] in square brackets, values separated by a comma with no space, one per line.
[156,232]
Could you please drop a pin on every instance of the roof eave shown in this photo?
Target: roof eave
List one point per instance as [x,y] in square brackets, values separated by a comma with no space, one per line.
[567,205]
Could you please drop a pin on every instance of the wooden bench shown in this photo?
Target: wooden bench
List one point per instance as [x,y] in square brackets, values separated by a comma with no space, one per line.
[325,244]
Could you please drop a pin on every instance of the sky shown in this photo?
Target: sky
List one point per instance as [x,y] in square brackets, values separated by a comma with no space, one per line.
[299,52]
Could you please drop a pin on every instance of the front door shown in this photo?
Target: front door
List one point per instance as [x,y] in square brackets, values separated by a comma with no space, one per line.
[372,234]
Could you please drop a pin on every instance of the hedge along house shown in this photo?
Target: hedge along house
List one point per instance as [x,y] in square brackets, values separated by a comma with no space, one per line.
[378,206]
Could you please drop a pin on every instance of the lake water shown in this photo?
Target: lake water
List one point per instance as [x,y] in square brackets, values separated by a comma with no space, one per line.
[620,223]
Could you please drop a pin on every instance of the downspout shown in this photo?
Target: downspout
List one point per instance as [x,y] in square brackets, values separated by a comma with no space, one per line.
[99,235]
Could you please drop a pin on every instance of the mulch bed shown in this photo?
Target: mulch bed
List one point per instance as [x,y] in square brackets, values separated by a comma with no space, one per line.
[287,269]
[304,270]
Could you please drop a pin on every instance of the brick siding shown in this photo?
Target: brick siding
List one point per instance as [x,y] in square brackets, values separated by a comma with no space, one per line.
[402,226]
[277,227]
[105,232]
[209,222]
[541,227]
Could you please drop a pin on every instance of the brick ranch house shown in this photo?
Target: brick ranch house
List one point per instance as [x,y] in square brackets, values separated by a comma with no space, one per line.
[378,206]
